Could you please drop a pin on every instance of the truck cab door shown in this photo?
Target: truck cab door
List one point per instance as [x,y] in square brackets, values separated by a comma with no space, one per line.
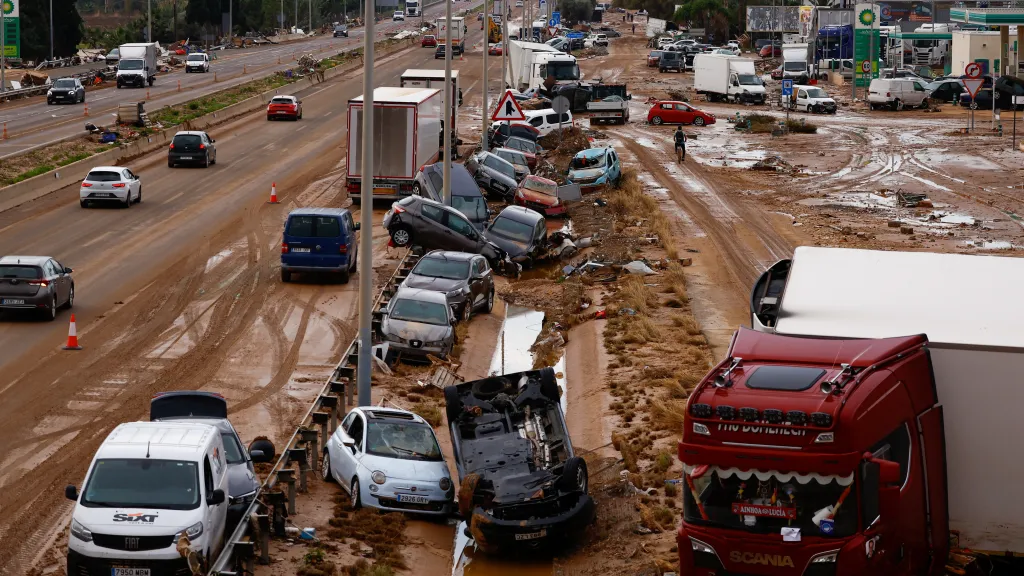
[933,449]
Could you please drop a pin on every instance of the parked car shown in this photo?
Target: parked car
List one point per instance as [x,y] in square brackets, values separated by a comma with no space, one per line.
[389,459]
[770,51]
[541,195]
[654,58]
[673,112]
[466,196]
[429,41]
[903,73]
[500,132]
[495,49]
[192,147]
[521,233]
[948,91]
[110,184]
[547,121]
[529,149]
[778,73]
[68,90]
[37,283]
[596,40]
[610,32]
[517,159]
[671,61]
[341,31]
[113,57]
[464,278]
[538,494]
[319,240]
[665,41]
[417,323]
[197,62]
[494,174]
[434,226]
[896,93]
[595,167]
[439,51]
[281,107]
[212,409]
[398,16]
[812,99]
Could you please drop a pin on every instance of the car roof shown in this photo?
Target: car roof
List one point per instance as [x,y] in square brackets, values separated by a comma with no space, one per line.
[422,295]
[512,150]
[541,179]
[593,152]
[451,255]
[287,96]
[106,168]
[163,440]
[391,414]
[463,183]
[25,260]
[188,133]
[521,214]
[318,212]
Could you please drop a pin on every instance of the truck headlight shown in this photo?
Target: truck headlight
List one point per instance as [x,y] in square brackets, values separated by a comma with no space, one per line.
[378,477]
[825,557]
[80,532]
[194,531]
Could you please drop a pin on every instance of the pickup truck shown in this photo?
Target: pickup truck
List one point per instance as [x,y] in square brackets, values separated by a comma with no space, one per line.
[612,109]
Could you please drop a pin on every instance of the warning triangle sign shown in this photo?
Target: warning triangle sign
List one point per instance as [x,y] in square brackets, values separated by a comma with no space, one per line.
[508,109]
[973,85]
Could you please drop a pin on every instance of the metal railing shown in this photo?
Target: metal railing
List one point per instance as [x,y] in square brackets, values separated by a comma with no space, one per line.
[23,92]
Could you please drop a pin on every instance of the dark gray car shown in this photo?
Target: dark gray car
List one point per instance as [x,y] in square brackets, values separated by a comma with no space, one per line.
[464,278]
[68,90]
[417,323]
[193,147]
[35,283]
[466,196]
[493,174]
[520,232]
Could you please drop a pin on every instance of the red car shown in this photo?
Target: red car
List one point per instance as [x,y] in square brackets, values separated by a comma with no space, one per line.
[284,107]
[541,195]
[654,58]
[777,73]
[672,112]
[429,41]
[494,50]
[770,51]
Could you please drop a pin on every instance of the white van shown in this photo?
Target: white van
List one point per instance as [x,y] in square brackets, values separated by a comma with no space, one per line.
[813,99]
[149,483]
[896,93]
[547,120]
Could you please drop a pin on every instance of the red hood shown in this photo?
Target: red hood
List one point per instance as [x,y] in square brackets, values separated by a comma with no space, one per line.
[538,197]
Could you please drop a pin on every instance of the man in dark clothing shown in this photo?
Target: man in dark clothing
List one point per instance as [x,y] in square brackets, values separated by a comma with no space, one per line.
[680,139]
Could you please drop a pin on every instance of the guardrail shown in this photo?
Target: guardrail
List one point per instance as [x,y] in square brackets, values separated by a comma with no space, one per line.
[267,512]
[23,92]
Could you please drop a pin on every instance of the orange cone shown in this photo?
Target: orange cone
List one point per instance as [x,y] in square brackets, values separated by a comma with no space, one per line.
[273,193]
[72,336]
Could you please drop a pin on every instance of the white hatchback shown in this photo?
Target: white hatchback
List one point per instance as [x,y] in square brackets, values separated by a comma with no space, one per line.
[197,62]
[110,184]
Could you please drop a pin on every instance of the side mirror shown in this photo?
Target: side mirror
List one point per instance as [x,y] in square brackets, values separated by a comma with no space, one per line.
[68,270]
[70,492]
[216,498]
[888,478]
[257,456]
[347,440]
[357,226]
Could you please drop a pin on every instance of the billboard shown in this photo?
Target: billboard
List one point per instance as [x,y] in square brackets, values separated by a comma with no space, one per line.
[12,28]
[773,18]
[905,12]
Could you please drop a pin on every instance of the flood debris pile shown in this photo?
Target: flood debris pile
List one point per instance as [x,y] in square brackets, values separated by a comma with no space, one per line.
[369,543]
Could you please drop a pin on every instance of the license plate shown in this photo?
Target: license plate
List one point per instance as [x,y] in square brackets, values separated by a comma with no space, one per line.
[410,499]
[129,572]
[185,158]
[301,250]
[12,301]
[532,535]
[282,111]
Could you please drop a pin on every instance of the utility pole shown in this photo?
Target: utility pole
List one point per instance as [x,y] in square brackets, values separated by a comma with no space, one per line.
[51,29]
[296,14]
[281,25]
[505,13]
[231,19]
[3,50]
[366,216]
[446,104]
[149,22]
[487,29]
[310,17]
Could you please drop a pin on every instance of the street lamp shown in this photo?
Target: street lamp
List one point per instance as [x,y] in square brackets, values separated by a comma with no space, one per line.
[366,214]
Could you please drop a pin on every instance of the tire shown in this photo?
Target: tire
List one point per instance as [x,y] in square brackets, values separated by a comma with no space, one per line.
[139,199]
[467,312]
[286,276]
[71,298]
[574,476]
[488,388]
[452,403]
[84,203]
[401,236]
[549,385]
[924,104]
[170,164]
[467,492]
[490,302]
[417,190]
[51,310]
[527,263]
[897,105]
[656,120]
[128,199]
[206,161]
[343,276]
[266,446]
[214,161]
[325,467]
[698,121]
[356,501]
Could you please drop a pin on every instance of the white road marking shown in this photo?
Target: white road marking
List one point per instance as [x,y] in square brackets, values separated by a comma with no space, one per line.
[173,198]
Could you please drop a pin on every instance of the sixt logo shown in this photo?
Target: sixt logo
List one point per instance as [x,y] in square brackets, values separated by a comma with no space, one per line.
[136,517]
[762,559]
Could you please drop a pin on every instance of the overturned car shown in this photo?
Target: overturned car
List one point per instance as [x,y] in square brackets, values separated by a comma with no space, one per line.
[520,481]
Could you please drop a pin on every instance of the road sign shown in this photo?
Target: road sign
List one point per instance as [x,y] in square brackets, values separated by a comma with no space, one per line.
[787,87]
[556,17]
[560,104]
[552,23]
[508,109]
[865,66]
[973,85]
[574,35]
[973,70]
[552,30]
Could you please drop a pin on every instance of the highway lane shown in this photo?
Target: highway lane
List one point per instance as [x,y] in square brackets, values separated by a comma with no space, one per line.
[33,123]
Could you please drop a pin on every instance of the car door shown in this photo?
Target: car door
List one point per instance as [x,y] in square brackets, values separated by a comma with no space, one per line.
[478,281]
[460,232]
[432,229]
[615,167]
[801,99]
[668,113]
[329,240]
[684,114]
[131,182]
[348,462]
[919,93]
[300,236]
[55,273]
[351,241]
[210,146]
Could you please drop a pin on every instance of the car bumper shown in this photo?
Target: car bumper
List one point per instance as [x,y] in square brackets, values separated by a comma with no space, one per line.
[195,68]
[40,300]
[409,351]
[292,268]
[557,210]
[81,565]
[188,158]
[386,497]
[492,534]
[62,97]
[275,115]
[131,80]
[109,196]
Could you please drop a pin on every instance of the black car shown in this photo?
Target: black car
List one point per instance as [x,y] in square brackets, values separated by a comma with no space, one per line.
[464,278]
[494,174]
[439,51]
[341,31]
[521,483]
[192,148]
[37,283]
[499,133]
[522,233]
[1006,88]
[466,196]
[609,32]
[68,90]
[947,91]
[671,61]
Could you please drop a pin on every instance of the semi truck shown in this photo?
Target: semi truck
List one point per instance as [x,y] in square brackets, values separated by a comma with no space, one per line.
[406,135]
[413,78]
[459,31]
[796,62]
[412,7]
[726,77]
[532,63]
[866,421]
[835,42]
[137,64]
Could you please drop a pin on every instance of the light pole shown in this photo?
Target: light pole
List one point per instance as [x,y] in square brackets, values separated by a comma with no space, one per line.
[282,15]
[505,13]
[487,29]
[149,21]
[310,17]
[366,215]
[51,29]
[3,49]
[446,105]
[231,18]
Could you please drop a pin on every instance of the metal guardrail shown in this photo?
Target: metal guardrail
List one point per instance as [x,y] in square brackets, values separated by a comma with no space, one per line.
[238,556]
[23,92]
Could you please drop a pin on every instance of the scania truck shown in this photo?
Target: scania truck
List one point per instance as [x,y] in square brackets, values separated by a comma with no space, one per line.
[532,64]
[868,422]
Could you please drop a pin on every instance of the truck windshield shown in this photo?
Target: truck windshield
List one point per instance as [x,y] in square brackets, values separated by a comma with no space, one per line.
[142,483]
[749,80]
[766,506]
[794,65]
[130,65]
[563,70]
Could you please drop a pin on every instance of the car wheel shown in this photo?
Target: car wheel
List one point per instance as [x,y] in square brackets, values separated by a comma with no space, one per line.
[574,476]
[84,203]
[452,403]
[206,161]
[924,103]
[71,298]
[401,236]
[139,199]
[897,104]
[656,120]
[286,276]
[490,302]
[417,190]
[51,310]
[698,121]
[356,500]
[325,467]
[490,387]
[467,492]
[343,276]
[264,445]
[549,384]
[128,199]
[170,164]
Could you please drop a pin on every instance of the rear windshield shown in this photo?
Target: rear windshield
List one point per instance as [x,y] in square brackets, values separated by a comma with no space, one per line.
[314,227]
[511,229]
[24,272]
[103,176]
[64,84]
[282,101]
[473,207]
[186,140]
[418,311]
[196,57]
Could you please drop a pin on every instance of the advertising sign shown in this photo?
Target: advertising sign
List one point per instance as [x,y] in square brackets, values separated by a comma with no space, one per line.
[12,28]
[866,43]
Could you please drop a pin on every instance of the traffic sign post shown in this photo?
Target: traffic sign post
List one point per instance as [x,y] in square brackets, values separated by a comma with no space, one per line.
[973,70]
[560,105]
[973,87]
[508,109]
[787,91]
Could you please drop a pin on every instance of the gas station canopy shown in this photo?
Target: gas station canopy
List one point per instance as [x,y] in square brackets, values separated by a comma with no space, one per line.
[988,16]
[921,35]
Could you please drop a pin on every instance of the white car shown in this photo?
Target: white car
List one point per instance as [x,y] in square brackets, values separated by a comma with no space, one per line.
[547,121]
[398,15]
[197,62]
[110,184]
[519,3]
[389,459]
[596,40]
[812,99]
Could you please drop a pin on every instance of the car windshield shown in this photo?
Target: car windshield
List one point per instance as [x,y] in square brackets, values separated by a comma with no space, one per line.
[540,186]
[586,163]
[563,70]
[130,65]
[749,79]
[419,311]
[232,449]
[513,157]
[794,66]
[21,272]
[103,176]
[142,483]
[403,440]
[440,267]
[196,57]
[511,229]
[502,167]
[816,93]
[766,506]
[472,207]
[64,84]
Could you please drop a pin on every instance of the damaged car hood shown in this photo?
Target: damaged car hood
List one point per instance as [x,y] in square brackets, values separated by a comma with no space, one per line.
[433,284]
[512,247]
[415,330]
[588,174]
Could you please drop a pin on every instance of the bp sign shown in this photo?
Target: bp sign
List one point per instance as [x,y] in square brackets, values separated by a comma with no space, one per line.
[12,28]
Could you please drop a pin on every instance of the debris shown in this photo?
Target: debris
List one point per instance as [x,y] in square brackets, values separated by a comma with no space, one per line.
[627,312]
[600,315]
[600,202]
[584,242]
[906,229]
[894,224]
[568,269]
[909,200]
[686,262]
[638,267]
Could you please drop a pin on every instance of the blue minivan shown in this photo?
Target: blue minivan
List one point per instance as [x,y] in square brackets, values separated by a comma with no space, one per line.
[319,240]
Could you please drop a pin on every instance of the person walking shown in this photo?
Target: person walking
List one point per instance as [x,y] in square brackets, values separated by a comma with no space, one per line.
[680,140]
[634,29]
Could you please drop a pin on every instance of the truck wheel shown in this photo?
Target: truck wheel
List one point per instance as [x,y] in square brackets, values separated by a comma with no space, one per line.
[656,120]
[452,403]
[574,476]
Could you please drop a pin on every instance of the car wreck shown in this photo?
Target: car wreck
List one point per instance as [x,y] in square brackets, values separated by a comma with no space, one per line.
[521,484]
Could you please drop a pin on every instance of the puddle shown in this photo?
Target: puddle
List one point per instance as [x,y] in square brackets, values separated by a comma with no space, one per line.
[468,562]
[947,218]
[216,259]
[867,200]
[991,244]
[647,143]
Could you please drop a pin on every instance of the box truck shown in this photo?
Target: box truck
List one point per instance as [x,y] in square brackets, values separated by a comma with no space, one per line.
[532,63]
[867,421]
[137,65]
[459,31]
[413,78]
[726,77]
[406,135]
[796,62]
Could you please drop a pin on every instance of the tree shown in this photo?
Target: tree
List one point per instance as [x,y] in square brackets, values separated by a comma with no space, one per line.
[35,29]
[576,10]
[714,16]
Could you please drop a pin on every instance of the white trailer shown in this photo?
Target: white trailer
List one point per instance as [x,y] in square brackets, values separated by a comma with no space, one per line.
[531,63]
[796,62]
[459,31]
[726,77]
[435,79]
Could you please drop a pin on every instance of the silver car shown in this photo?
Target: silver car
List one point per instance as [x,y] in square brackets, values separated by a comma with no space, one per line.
[389,459]
[419,322]
[465,279]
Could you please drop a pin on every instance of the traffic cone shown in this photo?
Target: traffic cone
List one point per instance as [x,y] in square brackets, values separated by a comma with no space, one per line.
[273,193]
[72,336]
[85,113]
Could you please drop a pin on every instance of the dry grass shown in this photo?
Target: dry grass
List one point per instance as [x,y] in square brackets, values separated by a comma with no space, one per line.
[640,330]
[669,415]
[629,202]
[432,414]
[620,443]
[635,295]
[384,532]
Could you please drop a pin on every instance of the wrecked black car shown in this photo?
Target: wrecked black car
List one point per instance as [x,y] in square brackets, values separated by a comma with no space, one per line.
[520,482]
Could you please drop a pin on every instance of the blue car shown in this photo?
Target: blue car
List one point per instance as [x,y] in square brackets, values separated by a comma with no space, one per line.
[319,240]
[595,167]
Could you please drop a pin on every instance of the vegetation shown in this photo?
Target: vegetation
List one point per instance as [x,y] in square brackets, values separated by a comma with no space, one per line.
[577,10]
[180,113]
[721,19]
[35,29]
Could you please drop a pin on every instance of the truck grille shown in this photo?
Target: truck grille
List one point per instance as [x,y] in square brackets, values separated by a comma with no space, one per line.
[132,543]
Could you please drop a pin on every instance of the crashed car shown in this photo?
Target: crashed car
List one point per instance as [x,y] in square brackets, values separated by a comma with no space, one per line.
[541,195]
[212,409]
[522,233]
[419,322]
[521,484]
[595,167]
[465,279]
